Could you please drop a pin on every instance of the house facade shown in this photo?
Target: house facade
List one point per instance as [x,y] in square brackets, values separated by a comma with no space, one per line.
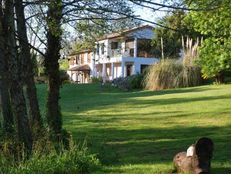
[81,66]
[118,55]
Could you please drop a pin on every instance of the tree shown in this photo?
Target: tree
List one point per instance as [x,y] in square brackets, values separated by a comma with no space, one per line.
[176,28]
[52,56]
[27,71]
[65,12]
[8,120]
[215,52]
[16,90]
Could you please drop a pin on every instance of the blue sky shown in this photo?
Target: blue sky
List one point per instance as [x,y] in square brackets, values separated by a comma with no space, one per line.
[148,14]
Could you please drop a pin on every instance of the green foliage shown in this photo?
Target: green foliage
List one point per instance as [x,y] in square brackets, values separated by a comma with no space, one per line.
[215,57]
[54,19]
[96,79]
[129,82]
[172,39]
[169,74]
[216,22]
[136,81]
[63,75]
[215,53]
[63,64]
[76,160]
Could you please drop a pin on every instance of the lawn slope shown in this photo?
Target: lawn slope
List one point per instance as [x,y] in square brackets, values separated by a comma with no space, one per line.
[140,132]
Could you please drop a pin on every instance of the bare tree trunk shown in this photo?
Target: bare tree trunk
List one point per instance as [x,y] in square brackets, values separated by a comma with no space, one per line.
[220,78]
[27,72]
[16,90]
[54,34]
[8,119]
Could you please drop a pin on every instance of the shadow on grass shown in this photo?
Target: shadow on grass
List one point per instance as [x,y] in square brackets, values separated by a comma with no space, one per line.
[88,97]
[225,170]
[172,91]
[120,147]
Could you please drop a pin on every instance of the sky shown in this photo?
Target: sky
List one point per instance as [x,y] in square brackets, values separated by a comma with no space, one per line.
[148,14]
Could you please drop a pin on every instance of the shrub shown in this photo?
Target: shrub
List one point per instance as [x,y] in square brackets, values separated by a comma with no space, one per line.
[96,79]
[136,81]
[63,76]
[129,82]
[75,160]
[171,74]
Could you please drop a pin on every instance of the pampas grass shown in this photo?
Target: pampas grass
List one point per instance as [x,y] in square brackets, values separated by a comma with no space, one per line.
[171,73]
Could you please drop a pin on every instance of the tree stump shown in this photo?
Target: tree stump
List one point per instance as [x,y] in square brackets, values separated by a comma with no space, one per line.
[197,159]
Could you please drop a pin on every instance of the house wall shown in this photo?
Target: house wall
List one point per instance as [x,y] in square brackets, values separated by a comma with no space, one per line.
[145,33]
[72,76]
[118,62]
[81,59]
[137,62]
[117,70]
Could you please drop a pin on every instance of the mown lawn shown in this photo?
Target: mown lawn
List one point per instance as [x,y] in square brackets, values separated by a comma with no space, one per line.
[140,132]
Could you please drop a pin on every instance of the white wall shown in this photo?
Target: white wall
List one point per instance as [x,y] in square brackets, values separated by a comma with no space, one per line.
[91,64]
[117,70]
[141,61]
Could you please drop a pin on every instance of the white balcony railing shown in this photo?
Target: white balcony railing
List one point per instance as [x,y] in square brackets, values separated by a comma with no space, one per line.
[120,52]
[116,53]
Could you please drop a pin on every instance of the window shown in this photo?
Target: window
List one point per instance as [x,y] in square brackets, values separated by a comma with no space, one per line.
[82,58]
[114,45]
[129,44]
[71,61]
[102,48]
[89,57]
[129,70]
[97,49]
[131,52]
[77,60]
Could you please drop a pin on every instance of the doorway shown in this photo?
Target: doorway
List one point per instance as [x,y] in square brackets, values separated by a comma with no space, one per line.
[129,70]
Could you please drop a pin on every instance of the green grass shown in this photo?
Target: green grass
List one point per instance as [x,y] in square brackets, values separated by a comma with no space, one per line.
[140,132]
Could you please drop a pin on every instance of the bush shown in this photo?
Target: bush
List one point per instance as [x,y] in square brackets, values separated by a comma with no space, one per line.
[136,81]
[76,160]
[63,76]
[129,82]
[96,79]
[171,74]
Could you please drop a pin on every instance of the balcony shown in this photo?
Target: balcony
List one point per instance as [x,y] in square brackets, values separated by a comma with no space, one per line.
[115,53]
[121,53]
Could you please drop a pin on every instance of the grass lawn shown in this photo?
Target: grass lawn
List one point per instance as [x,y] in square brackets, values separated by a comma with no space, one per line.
[140,132]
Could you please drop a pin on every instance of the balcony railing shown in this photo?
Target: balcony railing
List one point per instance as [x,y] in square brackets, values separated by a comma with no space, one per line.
[116,53]
[120,52]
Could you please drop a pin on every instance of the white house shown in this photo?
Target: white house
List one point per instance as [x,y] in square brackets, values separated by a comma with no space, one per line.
[117,55]
[81,66]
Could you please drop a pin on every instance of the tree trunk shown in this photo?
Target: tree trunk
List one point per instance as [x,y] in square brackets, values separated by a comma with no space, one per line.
[8,119]
[220,78]
[27,72]
[16,90]
[54,34]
